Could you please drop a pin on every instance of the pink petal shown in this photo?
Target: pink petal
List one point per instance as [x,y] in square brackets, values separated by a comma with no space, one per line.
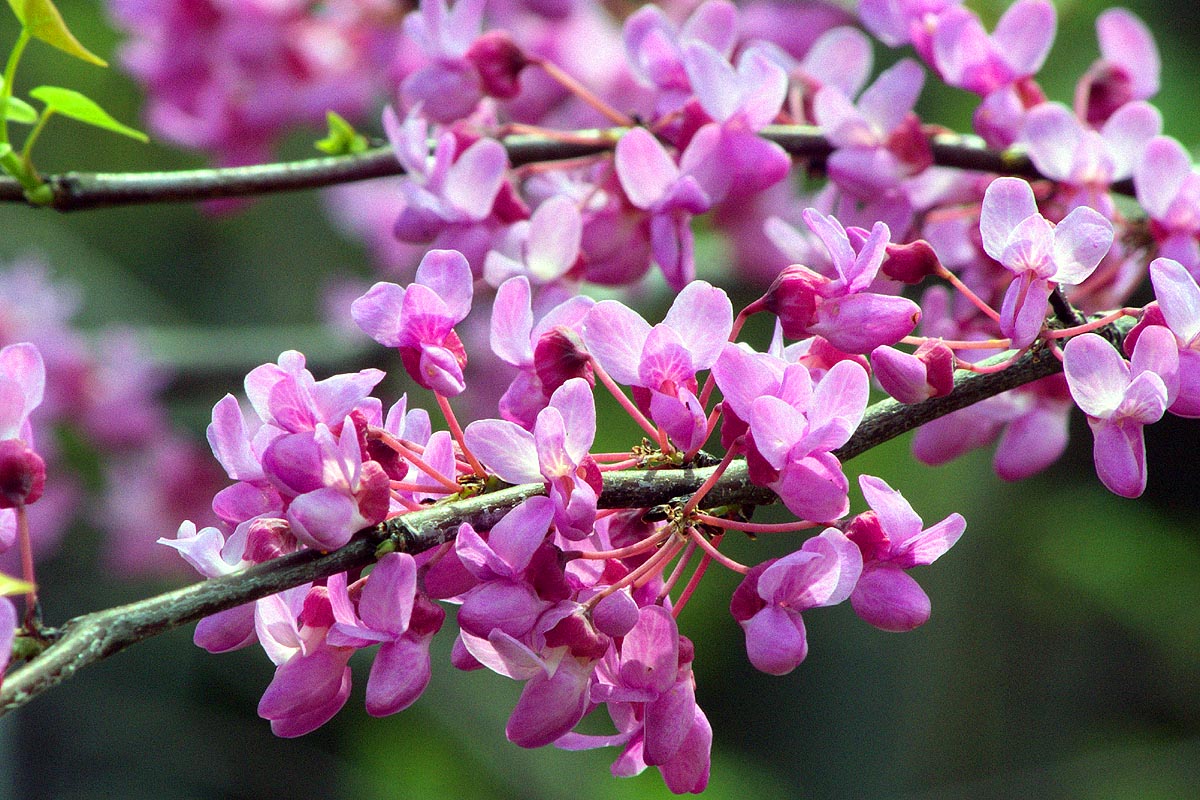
[1120,457]
[1125,40]
[775,640]
[474,180]
[1080,242]
[888,100]
[702,315]
[378,313]
[506,448]
[512,322]
[1096,374]
[399,675]
[1178,297]
[448,274]
[615,336]
[888,598]
[1006,203]
[1024,34]
[644,168]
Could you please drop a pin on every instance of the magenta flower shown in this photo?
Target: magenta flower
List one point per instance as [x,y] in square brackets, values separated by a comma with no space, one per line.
[312,679]
[1088,161]
[892,540]
[661,362]
[795,443]
[654,183]
[1179,309]
[419,320]
[649,689]
[879,142]
[899,22]
[555,452]
[727,157]
[504,598]
[449,87]
[449,195]
[1128,67]
[842,309]
[330,491]
[1037,252]
[546,354]
[913,377]
[768,603]
[968,58]
[544,249]
[1120,397]
[654,46]
[1168,188]
[390,612]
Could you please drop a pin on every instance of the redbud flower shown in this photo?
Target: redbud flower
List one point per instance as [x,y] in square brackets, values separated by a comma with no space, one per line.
[546,354]
[545,248]
[968,58]
[556,452]
[312,679]
[1168,188]
[878,140]
[796,443]
[913,377]
[892,540]
[1127,70]
[1087,161]
[661,362]
[1037,252]
[1120,397]
[1179,306]
[420,319]
[842,309]
[768,602]
[654,183]
[389,612]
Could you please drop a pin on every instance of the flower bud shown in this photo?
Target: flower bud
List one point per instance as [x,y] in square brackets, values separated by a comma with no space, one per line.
[793,298]
[910,263]
[499,62]
[22,474]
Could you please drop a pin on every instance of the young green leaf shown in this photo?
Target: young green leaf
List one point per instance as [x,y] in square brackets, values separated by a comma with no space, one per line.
[43,21]
[17,110]
[11,585]
[342,139]
[72,104]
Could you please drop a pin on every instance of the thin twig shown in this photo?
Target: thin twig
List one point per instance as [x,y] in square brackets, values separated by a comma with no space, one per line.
[73,191]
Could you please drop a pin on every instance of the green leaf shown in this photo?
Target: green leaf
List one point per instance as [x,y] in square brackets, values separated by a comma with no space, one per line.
[342,139]
[43,21]
[17,110]
[11,585]
[72,104]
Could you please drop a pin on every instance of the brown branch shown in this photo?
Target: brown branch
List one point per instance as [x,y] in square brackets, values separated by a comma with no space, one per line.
[92,637]
[74,191]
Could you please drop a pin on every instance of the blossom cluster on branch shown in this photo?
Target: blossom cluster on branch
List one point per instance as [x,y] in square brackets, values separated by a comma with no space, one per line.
[895,270]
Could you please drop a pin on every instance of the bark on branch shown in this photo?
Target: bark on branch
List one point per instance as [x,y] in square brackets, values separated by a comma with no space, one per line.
[92,637]
[74,191]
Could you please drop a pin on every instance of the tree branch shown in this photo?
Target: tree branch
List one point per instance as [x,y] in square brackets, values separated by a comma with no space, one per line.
[92,637]
[74,191]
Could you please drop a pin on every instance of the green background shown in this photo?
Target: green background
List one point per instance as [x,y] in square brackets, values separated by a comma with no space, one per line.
[1062,658]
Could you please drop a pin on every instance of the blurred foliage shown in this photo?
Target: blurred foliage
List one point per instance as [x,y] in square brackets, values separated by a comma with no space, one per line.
[1062,659]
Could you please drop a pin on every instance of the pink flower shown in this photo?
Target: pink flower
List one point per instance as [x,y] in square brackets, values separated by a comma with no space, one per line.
[892,540]
[1120,397]
[768,603]
[419,319]
[1037,252]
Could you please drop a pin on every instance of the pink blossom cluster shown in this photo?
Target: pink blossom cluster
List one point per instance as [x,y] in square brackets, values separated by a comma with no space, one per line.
[103,388]
[894,270]
[577,602]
